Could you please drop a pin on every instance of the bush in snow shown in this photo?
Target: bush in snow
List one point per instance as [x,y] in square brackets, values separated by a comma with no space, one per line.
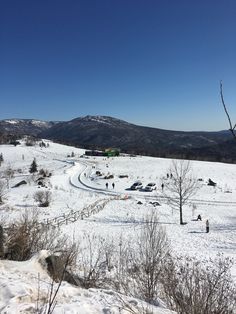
[192,287]
[3,189]
[93,261]
[9,174]
[27,236]
[140,263]
[43,198]
[44,172]
[30,141]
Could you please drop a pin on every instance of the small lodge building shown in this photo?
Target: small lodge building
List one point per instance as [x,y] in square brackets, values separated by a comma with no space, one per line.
[109,152]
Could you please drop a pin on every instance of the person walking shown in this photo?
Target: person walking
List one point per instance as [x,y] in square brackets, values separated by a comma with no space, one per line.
[106,185]
[113,185]
[162,186]
[207,226]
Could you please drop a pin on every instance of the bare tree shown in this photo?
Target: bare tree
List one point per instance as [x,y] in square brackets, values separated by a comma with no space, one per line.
[231,127]
[181,186]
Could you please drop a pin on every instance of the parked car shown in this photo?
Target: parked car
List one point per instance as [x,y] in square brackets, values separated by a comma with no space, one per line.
[150,187]
[136,186]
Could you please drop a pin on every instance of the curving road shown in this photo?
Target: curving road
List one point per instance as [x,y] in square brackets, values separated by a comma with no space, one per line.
[78,180]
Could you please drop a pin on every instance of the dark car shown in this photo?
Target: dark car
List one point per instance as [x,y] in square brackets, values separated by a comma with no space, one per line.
[136,186]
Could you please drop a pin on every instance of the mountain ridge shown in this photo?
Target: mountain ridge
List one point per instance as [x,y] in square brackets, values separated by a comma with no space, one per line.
[100,132]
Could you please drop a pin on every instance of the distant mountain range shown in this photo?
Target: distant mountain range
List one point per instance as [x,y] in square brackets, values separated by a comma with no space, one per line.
[99,132]
[24,126]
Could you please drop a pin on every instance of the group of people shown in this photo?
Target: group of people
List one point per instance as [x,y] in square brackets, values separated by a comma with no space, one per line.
[113,185]
[199,217]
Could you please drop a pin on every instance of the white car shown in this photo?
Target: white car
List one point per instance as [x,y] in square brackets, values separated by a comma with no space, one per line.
[150,187]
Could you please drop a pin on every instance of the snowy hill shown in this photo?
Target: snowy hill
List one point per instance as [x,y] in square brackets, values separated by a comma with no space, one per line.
[75,186]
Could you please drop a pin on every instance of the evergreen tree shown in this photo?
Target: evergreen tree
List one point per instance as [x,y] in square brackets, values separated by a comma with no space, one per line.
[33,166]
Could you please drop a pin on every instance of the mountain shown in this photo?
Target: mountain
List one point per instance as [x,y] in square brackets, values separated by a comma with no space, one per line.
[24,126]
[100,132]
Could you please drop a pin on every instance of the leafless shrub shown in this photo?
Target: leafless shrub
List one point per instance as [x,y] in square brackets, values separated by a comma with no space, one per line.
[191,287]
[43,198]
[30,141]
[94,260]
[44,172]
[3,189]
[9,174]
[141,263]
[27,236]
[153,248]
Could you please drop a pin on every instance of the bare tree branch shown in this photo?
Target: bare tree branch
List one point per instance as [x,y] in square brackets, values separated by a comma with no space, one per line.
[231,128]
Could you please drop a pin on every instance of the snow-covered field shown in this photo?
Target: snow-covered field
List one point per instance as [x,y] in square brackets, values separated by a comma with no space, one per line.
[75,185]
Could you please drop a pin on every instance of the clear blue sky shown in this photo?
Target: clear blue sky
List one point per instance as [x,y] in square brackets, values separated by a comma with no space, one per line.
[150,62]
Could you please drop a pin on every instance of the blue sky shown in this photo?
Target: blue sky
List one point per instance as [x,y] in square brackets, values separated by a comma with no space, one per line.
[151,62]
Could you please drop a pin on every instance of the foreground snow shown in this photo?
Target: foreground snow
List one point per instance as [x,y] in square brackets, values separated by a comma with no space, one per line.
[25,285]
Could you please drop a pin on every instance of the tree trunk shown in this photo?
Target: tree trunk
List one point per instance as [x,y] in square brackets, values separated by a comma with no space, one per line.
[180,203]
[181,214]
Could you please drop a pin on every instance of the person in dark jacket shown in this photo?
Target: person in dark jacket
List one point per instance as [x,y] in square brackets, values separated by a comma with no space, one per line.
[207,226]
[199,217]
